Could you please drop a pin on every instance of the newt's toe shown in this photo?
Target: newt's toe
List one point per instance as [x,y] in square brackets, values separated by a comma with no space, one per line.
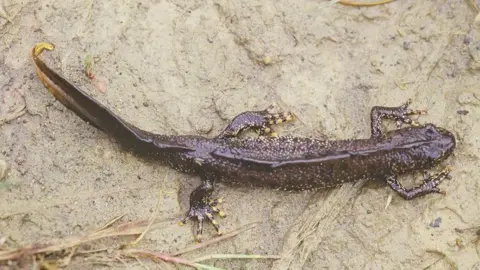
[201,212]
[402,115]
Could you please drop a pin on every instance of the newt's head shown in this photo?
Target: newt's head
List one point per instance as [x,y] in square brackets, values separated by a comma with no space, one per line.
[437,143]
[422,147]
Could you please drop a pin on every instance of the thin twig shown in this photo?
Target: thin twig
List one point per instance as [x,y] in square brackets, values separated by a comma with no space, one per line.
[235,256]
[130,228]
[110,223]
[216,239]
[364,4]
[91,251]
[152,219]
[474,5]
[156,255]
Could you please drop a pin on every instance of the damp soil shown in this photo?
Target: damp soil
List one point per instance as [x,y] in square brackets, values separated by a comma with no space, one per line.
[188,67]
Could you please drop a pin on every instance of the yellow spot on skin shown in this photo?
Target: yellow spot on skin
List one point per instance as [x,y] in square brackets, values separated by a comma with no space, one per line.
[288,118]
[214,222]
[279,121]
[274,134]
[198,238]
[221,214]
[271,122]
[215,209]
[267,130]
[220,200]
[209,215]
[181,223]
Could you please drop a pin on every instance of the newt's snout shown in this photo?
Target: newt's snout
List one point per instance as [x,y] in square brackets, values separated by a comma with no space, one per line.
[447,141]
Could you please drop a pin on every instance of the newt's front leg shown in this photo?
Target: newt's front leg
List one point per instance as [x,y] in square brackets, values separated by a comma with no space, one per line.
[261,121]
[429,185]
[401,114]
[203,207]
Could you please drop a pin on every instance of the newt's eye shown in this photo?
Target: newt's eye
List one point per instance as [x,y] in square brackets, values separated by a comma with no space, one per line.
[430,130]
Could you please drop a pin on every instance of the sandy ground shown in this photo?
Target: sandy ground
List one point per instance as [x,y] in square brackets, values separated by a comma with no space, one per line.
[188,67]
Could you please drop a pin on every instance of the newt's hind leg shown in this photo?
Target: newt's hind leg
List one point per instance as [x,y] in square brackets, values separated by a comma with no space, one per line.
[261,121]
[202,208]
[401,114]
[429,185]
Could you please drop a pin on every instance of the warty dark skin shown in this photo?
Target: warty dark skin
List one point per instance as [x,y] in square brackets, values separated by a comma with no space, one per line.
[290,163]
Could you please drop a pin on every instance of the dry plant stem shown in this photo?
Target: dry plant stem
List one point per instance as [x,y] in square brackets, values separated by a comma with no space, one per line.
[130,228]
[152,219]
[156,255]
[110,223]
[80,252]
[365,4]
[216,239]
[235,256]
[474,5]
[173,259]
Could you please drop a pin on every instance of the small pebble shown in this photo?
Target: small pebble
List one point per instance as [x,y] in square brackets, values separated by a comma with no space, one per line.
[459,242]
[467,40]
[451,74]
[462,112]
[436,222]
[407,45]
[267,60]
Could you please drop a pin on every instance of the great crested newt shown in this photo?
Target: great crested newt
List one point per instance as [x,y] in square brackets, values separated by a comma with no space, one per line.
[283,162]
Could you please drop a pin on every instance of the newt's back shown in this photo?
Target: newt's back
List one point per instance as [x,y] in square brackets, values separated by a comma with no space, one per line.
[305,163]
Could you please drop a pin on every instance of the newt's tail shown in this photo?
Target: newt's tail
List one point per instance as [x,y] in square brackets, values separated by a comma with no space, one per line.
[95,113]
